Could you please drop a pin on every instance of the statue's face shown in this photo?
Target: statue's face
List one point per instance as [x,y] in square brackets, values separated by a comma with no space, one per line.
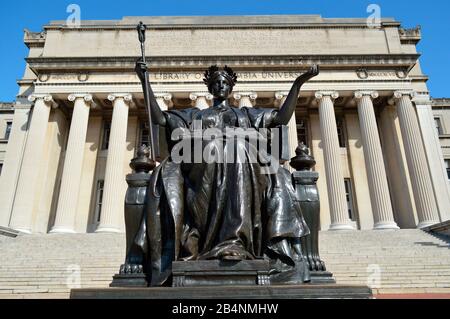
[221,88]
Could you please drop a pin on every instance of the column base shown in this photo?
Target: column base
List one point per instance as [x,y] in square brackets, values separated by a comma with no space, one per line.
[102,230]
[386,226]
[427,224]
[62,230]
[337,227]
[22,230]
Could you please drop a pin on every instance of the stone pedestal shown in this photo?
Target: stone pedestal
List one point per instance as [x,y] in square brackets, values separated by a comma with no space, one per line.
[221,273]
[129,281]
[244,292]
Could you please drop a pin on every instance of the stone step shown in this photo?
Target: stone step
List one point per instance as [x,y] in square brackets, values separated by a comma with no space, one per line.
[409,260]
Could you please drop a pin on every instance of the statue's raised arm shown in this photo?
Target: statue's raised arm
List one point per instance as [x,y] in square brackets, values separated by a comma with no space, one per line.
[288,108]
[157,115]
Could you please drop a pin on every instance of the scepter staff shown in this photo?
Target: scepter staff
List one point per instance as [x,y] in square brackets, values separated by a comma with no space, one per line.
[141,31]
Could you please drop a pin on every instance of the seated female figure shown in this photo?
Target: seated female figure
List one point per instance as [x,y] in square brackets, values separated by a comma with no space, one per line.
[227,209]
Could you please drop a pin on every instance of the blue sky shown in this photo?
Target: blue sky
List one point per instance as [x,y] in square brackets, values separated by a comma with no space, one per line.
[432,15]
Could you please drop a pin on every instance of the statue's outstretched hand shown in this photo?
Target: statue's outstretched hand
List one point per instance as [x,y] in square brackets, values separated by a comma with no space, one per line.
[314,70]
[141,68]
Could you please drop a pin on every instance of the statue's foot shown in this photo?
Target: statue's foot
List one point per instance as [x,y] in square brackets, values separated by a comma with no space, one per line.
[322,266]
[297,275]
[131,269]
[234,254]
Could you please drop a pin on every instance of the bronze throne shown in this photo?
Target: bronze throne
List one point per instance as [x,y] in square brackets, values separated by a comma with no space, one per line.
[135,271]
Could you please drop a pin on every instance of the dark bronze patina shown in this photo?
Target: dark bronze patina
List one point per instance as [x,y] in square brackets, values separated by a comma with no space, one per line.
[228,212]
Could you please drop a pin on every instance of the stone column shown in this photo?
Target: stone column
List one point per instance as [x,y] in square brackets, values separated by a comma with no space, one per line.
[417,161]
[433,151]
[113,199]
[376,171]
[332,156]
[201,100]
[164,100]
[11,164]
[293,134]
[71,177]
[245,99]
[22,214]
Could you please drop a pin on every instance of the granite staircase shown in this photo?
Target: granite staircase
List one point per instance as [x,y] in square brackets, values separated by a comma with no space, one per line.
[48,266]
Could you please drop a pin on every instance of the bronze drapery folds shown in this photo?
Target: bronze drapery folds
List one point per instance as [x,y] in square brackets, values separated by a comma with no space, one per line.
[227,207]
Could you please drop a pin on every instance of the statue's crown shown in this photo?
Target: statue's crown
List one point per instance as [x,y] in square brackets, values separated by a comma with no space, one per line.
[213,72]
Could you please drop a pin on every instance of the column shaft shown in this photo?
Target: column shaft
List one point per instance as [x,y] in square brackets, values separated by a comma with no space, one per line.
[376,172]
[293,136]
[335,178]
[417,162]
[113,199]
[435,157]
[11,165]
[71,178]
[22,214]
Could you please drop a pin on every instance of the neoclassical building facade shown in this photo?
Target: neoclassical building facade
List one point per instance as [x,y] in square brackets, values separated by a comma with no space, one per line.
[79,116]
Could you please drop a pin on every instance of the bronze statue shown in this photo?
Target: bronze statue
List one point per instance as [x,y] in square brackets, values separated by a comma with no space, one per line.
[218,210]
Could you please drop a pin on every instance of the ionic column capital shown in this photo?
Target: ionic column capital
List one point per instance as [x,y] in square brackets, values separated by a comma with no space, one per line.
[164,100]
[399,94]
[242,97]
[125,96]
[47,98]
[195,96]
[165,96]
[280,95]
[201,100]
[88,99]
[251,95]
[372,94]
[322,94]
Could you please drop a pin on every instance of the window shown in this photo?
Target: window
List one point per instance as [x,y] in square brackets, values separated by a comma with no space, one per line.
[1,168]
[99,200]
[302,131]
[106,134]
[8,130]
[349,197]
[144,134]
[447,167]
[341,132]
[438,125]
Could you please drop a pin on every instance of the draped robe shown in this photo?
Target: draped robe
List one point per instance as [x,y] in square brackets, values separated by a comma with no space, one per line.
[199,211]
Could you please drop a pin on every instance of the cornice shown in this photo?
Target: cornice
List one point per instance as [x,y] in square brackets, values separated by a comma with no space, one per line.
[223,22]
[34,39]
[410,36]
[40,64]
